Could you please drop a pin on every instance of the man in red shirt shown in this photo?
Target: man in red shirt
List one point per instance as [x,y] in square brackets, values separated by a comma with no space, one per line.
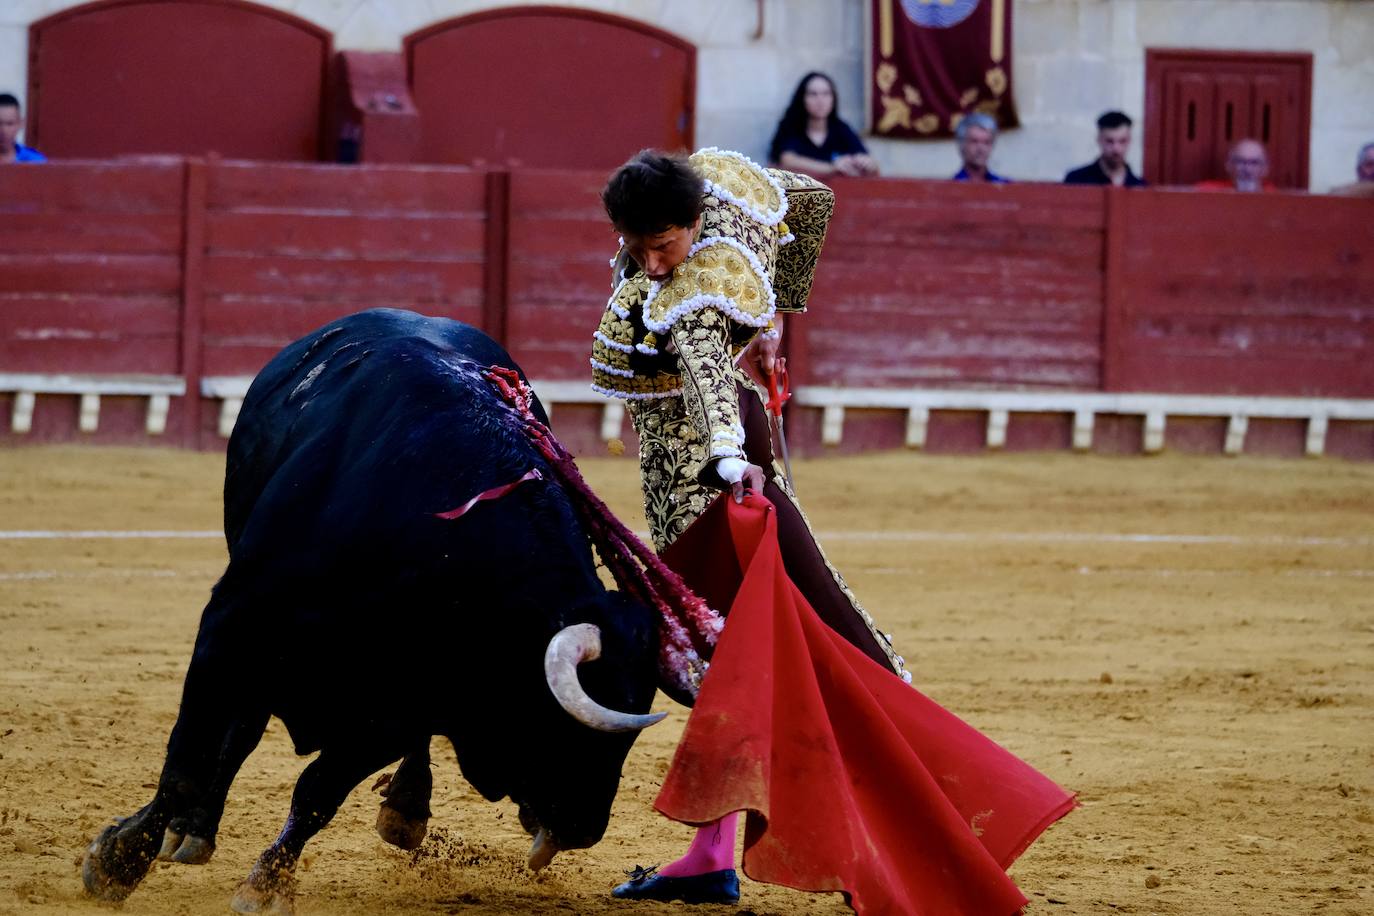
[1247,163]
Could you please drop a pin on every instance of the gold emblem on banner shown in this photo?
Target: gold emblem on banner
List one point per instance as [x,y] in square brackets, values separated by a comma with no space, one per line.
[886,77]
[896,113]
[997,80]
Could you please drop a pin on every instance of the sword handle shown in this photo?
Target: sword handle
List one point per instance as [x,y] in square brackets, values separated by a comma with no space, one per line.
[779,392]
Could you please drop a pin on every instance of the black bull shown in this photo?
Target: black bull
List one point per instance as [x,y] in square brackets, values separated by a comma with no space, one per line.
[367,623]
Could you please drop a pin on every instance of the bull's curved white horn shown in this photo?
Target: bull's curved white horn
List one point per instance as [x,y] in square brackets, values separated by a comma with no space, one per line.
[570,647]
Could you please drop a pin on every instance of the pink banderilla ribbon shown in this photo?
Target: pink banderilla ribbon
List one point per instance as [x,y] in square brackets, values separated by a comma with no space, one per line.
[493,493]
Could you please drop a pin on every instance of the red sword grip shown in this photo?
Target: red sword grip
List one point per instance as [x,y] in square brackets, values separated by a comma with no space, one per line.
[779,392]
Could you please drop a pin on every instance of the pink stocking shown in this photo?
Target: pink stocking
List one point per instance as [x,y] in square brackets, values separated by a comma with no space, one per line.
[712,849]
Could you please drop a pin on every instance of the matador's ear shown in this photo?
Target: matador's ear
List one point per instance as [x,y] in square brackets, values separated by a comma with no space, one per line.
[623,267]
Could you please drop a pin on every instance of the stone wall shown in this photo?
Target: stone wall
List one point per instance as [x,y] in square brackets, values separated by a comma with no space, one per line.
[1073,59]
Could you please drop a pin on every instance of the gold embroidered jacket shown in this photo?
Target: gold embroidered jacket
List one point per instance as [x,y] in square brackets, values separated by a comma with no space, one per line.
[754,255]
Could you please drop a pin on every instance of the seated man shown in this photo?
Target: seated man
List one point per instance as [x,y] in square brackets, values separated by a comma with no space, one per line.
[976,135]
[1247,163]
[11,122]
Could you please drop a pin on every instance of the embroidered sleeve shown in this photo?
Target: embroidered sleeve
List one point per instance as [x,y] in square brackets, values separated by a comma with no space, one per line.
[702,340]
[810,207]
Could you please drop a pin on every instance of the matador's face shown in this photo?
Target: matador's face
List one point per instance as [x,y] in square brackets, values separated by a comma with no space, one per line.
[659,254]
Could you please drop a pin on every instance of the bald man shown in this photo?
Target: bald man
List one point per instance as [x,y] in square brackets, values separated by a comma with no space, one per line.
[1248,165]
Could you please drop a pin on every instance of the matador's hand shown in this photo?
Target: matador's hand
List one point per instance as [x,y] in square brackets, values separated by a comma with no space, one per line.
[741,476]
[761,356]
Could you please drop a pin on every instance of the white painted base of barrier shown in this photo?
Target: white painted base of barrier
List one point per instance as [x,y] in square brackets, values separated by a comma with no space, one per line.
[26,387]
[999,406]
[1085,407]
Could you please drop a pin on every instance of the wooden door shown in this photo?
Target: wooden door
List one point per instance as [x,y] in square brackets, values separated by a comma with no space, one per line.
[1198,103]
[126,77]
[549,87]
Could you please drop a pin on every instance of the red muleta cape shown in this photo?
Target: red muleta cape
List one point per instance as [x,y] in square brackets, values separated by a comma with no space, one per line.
[852,781]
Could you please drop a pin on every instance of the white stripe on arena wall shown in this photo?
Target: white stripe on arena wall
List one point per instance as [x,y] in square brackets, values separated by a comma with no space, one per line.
[104,535]
[57,575]
[1006,537]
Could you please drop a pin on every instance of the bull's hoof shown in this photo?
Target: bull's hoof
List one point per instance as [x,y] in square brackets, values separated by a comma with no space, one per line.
[187,850]
[109,872]
[399,830]
[255,895]
[542,850]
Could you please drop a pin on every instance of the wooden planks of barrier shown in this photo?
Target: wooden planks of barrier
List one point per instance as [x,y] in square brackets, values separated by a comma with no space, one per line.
[181,270]
[940,283]
[559,280]
[90,257]
[290,247]
[1246,294]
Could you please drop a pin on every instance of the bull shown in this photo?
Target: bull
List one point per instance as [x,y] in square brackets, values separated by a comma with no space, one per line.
[352,581]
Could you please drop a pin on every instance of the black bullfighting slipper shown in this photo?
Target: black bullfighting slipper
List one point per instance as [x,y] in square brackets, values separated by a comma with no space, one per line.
[712,887]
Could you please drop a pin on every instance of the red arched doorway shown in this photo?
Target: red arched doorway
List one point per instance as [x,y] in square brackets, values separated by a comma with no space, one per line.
[122,77]
[549,87]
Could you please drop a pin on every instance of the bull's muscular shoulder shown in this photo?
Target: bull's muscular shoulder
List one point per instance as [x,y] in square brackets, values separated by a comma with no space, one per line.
[328,398]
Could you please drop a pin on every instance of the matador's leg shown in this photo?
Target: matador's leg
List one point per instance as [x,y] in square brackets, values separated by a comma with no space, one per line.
[806,564]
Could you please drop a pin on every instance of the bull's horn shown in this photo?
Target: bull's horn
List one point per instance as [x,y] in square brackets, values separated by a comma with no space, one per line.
[570,647]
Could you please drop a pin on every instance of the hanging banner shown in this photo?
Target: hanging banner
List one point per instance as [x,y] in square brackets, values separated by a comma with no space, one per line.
[933,61]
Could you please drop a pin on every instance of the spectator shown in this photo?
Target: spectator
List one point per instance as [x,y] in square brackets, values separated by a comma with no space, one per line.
[1363,186]
[1247,163]
[811,137]
[975,136]
[1113,140]
[11,150]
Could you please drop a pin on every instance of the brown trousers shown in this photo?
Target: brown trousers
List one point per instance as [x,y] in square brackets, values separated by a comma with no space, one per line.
[806,565]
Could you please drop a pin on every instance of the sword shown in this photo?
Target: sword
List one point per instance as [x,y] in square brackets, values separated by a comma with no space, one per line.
[778,394]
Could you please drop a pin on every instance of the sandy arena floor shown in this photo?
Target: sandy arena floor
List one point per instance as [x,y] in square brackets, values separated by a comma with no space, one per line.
[1209,691]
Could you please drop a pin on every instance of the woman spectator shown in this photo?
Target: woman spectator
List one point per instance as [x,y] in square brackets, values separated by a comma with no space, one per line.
[811,138]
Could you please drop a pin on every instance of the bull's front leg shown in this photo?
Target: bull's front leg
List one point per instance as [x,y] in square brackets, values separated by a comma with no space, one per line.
[119,857]
[271,885]
[403,818]
[190,837]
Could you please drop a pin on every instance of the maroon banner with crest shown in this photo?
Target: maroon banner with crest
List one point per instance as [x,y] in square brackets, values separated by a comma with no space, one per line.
[934,61]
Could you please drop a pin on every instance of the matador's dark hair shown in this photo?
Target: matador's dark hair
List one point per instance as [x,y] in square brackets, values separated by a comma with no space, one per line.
[653,192]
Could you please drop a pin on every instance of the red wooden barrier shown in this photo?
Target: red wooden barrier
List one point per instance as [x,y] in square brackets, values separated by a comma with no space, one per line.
[1245,294]
[191,269]
[559,281]
[289,248]
[945,284]
[90,267]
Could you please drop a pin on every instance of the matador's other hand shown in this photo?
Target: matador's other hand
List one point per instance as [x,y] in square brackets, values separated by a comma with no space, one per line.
[761,356]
